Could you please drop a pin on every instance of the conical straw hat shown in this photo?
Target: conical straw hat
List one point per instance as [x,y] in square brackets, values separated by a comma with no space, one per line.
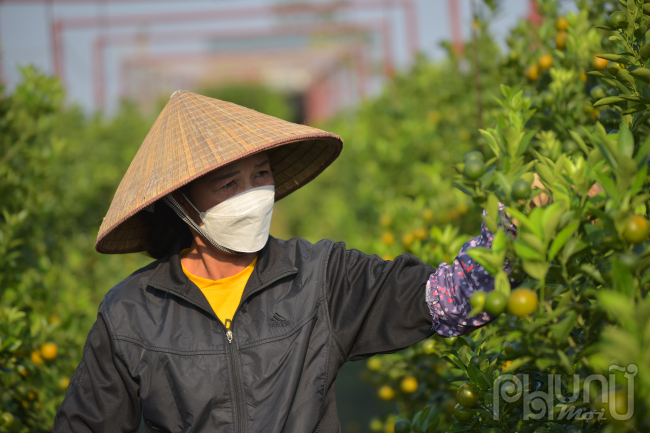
[195,135]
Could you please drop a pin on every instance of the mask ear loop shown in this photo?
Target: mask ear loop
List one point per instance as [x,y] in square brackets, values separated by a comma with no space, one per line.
[201,214]
[172,203]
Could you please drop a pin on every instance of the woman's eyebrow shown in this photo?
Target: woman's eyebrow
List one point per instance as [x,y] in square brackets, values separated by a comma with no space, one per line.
[234,173]
[225,176]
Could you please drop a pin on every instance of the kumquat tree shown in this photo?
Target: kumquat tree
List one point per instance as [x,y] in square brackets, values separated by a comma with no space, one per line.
[567,156]
[552,145]
[50,281]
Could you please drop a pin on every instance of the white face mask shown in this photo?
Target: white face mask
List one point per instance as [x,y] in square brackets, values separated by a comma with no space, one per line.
[240,224]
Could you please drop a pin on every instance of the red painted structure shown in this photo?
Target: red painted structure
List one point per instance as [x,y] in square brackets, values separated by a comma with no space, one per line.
[322,97]
[534,15]
[307,29]
[454,21]
[315,15]
[229,14]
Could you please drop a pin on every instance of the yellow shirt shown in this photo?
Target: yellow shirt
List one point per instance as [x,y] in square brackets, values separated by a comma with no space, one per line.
[224,294]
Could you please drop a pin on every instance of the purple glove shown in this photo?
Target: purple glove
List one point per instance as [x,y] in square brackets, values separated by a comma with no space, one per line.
[449,288]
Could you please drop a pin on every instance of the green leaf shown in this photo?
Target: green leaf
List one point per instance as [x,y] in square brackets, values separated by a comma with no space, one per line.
[523,145]
[499,243]
[544,363]
[620,86]
[626,78]
[642,74]
[563,328]
[533,240]
[642,152]
[632,9]
[486,259]
[625,141]
[524,220]
[464,339]
[525,252]
[635,109]
[564,361]
[597,74]
[605,28]
[616,58]
[492,218]
[434,421]
[609,100]
[561,239]
[465,354]
[478,378]
[418,418]
[608,185]
[545,173]
[604,149]
[635,98]
[501,283]
[503,182]
[551,219]
[458,427]
[454,359]
[491,141]
[622,279]
[491,224]
[535,268]
[592,272]
[573,246]
[492,207]
[464,190]
[473,374]
[640,199]
[578,139]
[623,344]
[517,363]
[562,196]
[616,303]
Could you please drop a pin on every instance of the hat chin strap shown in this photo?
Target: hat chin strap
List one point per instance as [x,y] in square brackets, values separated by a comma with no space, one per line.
[172,203]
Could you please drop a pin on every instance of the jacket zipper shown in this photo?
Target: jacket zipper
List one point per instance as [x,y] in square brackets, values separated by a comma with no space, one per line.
[239,401]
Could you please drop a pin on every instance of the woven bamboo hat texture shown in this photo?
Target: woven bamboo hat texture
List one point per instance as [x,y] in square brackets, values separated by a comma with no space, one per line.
[194,135]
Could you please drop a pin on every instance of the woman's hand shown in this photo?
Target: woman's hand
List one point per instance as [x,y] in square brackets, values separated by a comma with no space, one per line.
[542,199]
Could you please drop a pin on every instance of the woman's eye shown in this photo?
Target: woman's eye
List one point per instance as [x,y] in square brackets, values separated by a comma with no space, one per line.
[262,173]
[229,184]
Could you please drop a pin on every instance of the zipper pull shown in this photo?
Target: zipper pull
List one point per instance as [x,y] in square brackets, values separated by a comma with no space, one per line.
[229,331]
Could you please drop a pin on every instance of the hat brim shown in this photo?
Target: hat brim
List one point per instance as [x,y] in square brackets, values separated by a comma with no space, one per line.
[295,161]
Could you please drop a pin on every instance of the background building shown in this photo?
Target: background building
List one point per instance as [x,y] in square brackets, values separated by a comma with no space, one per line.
[327,54]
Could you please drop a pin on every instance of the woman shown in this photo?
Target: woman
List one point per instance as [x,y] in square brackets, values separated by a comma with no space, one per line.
[232,330]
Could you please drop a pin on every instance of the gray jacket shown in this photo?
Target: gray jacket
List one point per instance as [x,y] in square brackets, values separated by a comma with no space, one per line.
[159,352]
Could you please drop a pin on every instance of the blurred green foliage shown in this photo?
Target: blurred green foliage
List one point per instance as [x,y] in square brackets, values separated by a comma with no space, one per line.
[394,174]
[583,252]
[258,98]
[58,175]
[396,188]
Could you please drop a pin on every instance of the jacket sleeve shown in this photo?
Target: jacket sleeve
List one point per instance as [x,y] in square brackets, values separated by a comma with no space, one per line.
[379,306]
[102,395]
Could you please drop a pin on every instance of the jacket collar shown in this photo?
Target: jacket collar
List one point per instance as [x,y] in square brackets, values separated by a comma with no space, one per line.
[272,265]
